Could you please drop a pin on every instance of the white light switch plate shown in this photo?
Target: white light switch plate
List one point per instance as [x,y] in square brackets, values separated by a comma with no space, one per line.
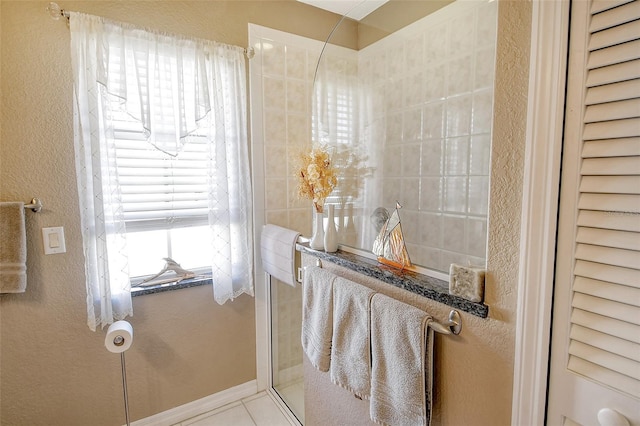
[53,240]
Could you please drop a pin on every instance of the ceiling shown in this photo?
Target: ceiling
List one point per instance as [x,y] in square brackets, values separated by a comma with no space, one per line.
[356,9]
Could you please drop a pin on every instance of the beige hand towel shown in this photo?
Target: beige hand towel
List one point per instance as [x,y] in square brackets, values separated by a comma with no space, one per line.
[317,316]
[402,360]
[350,349]
[13,248]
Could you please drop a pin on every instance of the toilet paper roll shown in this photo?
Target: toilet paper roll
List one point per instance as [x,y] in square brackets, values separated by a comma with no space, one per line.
[119,337]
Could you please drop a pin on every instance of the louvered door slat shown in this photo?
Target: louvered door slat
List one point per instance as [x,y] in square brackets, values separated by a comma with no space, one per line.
[629,108]
[613,73]
[614,274]
[609,238]
[607,290]
[598,6]
[611,166]
[614,54]
[612,129]
[628,204]
[603,341]
[615,35]
[612,92]
[611,184]
[607,255]
[604,375]
[607,308]
[616,16]
[605,359]
[626,147]
[603,324]
[621,221]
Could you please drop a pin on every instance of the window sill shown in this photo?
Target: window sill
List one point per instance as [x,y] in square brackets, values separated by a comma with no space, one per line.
[159,288]
[423,285]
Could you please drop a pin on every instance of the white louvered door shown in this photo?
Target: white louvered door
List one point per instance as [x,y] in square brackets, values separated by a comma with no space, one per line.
[595,350]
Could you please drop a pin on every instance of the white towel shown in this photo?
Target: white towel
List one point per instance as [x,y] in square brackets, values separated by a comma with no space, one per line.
[278,251]
[13,248]
[350,349]
[402,362]
[317,316]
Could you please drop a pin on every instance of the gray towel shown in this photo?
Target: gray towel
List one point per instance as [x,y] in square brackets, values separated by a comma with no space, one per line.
[13,248]
[317,316]
[402,360]
[350,349]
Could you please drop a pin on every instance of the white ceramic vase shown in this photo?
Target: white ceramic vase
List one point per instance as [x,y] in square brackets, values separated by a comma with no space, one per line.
[331,234]
[350,234]
[317,239]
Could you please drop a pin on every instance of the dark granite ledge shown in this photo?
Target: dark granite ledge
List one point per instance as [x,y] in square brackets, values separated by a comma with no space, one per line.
[423,285]
[159,288]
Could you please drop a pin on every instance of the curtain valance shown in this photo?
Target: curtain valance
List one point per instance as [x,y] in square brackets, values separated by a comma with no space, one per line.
[143,69]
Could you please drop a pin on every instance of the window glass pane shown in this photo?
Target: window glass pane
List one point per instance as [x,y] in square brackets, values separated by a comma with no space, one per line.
[191,246]
[146,252]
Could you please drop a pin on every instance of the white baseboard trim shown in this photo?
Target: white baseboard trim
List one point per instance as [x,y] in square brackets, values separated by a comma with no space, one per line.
[199,406]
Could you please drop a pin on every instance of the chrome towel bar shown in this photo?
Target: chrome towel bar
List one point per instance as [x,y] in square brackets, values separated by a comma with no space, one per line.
[453,325]
[35,206]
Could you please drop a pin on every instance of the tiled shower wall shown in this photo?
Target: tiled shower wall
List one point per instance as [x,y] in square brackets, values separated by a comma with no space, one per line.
[424,126]
[430,91]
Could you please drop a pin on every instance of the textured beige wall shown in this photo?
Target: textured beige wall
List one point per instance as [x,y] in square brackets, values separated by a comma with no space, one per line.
[473,371]
[507,159]
[54,370]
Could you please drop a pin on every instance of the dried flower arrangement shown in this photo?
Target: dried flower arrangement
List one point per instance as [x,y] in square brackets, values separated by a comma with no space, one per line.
[316,176]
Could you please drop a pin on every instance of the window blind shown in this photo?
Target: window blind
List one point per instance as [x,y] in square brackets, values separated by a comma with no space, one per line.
[605,321]
[160,191]
[335,122]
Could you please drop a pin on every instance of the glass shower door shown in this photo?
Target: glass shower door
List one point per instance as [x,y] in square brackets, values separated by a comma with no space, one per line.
[286,348]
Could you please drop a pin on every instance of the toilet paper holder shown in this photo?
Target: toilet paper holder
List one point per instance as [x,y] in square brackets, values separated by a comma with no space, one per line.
[118,339]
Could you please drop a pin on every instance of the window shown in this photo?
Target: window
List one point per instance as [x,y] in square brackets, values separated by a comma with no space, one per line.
[164,199]
[162,160]
[335,122]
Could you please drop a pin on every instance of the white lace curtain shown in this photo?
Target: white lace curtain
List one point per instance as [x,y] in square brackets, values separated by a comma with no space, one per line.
[172,86]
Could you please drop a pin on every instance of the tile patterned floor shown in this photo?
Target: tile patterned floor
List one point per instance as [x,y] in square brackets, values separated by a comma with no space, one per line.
[257,410]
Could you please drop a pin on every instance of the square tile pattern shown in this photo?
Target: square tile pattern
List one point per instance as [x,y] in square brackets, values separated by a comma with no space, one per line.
[426,131]
[257,410]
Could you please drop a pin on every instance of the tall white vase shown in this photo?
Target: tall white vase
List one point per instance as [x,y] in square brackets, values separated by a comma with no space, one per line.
[350,234]
[317,239]
[331,234]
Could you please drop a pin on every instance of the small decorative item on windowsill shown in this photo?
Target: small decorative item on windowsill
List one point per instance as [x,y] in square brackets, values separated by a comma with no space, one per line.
[316,180]
[170,266]
[389,245]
